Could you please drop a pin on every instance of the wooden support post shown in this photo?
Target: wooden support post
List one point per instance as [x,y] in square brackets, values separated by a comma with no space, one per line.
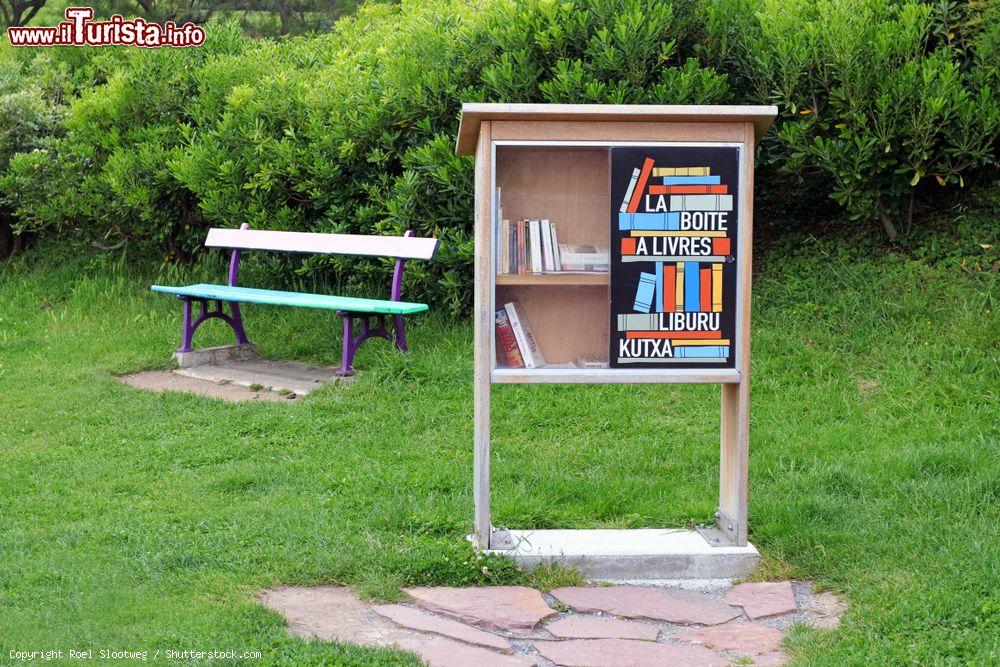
[483,340]
[735,427]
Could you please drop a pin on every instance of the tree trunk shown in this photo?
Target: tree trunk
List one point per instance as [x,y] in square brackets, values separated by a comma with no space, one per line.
[7,240]
[883,215]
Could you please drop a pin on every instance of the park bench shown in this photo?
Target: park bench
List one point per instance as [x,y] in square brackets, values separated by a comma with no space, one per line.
[401,248]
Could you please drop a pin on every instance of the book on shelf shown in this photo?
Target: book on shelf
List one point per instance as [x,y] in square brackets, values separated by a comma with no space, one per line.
[508,351]
[498,234]
[556,255]
[532,246]
[548,259]
[531,353]
[535,232]
[584,258]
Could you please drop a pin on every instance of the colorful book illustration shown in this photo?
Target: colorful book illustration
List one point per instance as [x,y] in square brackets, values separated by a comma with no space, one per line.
[631,188]
[658,275]
[692,287]
[701,202]
[691,180]
[717,288]
[680,171]
[679,289]
[688,189]
[645,292]
[701,352]
[679,298]
[508,351]
[669,271]
[640,186]
[651,221]
[525,337]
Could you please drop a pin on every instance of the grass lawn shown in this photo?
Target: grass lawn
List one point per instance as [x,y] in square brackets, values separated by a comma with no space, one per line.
[139,521]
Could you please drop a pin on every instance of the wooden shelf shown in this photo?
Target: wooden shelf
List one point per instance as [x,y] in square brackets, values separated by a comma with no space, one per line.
[610,375]
[553,279]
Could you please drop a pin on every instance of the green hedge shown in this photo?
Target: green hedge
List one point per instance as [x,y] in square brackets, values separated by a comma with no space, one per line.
[353,131]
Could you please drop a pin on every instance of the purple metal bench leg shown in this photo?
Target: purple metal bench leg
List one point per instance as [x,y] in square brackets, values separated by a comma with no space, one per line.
[353,343]
[234,320]
[380,329]
[400,333]
[350,347]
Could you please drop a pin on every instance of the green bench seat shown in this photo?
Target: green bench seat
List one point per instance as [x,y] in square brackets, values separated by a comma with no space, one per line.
[297,299]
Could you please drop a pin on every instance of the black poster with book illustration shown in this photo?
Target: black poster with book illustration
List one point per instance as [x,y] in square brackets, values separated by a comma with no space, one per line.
[674,230]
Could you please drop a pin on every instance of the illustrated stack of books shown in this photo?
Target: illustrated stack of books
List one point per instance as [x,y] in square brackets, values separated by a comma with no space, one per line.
[532,246]
[680,298]
[688,189]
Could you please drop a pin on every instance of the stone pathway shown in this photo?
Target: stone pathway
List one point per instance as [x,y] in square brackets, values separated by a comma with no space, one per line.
[586,626]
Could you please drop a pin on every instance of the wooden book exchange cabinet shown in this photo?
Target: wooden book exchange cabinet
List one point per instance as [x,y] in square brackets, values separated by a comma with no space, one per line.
[613,245]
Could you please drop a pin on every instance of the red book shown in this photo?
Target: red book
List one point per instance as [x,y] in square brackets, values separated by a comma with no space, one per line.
[640,185]
[628,245]
[509,352]
[706,290]
[669,287]
[720,246]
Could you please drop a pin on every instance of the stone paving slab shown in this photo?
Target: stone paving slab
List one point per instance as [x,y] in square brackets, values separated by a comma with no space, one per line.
[596,627]
[160,381]
[440,652]
[626,653]
[763,598]
[333,613]
[510,608]
[409,617]
[735,636]
[673,605]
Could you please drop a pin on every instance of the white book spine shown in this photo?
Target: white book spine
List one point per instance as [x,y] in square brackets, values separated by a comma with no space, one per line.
[522,341]
[556,255]
[536,246]
[547,260]
[631,188]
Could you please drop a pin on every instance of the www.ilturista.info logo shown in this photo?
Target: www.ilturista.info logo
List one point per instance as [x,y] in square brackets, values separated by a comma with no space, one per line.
[79,30]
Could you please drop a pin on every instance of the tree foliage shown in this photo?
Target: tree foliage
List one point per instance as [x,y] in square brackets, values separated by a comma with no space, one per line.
[353,130]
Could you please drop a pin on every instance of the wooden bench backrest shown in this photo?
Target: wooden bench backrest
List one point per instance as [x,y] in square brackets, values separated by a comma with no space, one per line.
[400,247]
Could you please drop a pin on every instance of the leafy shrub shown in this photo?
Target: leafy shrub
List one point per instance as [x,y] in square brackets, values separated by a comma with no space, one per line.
[353,130]
[875,97]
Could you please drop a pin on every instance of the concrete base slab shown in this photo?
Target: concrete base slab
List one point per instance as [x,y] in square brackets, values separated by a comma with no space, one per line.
[159,381]
[215,355]
[293,376]
[641,554]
